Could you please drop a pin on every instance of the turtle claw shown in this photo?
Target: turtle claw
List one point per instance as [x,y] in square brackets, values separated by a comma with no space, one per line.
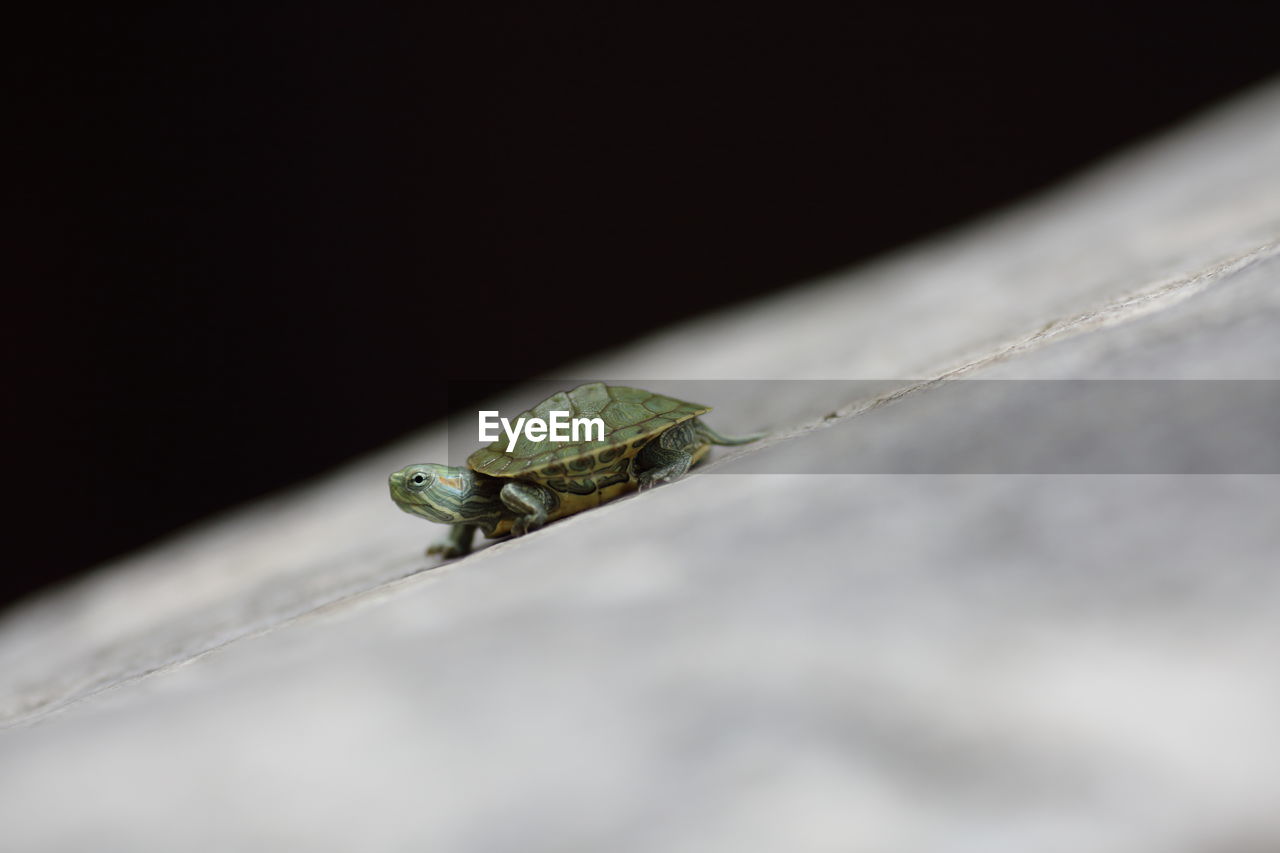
[661,478]
[456,544]
[447,550]
[522,526]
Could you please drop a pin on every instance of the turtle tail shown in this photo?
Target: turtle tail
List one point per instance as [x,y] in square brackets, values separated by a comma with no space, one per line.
[716,438]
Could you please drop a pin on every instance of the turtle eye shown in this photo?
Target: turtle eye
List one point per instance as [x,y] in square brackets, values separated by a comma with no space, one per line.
[419,479]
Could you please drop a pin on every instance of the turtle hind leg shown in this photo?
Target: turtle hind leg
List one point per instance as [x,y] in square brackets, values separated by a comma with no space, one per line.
[667,458]
[530,503]
[712,437]
[456,544]
[673,470]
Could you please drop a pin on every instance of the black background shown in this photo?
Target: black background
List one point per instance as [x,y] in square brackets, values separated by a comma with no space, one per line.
[250,244]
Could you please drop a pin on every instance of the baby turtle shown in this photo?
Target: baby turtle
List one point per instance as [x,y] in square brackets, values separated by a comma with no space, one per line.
[648,439]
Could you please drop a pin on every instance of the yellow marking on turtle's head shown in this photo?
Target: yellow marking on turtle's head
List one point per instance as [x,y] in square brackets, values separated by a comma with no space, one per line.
[453,482]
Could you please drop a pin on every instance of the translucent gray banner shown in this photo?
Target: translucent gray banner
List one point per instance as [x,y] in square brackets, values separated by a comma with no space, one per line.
[961,426]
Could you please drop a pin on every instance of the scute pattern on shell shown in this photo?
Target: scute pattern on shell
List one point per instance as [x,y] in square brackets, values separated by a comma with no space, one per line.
[631,416]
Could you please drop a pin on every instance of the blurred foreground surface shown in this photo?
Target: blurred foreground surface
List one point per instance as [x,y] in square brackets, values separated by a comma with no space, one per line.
[740,662]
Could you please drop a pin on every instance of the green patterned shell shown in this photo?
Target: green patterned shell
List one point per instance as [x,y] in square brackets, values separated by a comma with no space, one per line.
[632,418]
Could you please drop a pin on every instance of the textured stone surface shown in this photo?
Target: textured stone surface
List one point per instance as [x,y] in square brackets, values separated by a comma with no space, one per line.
[741,662]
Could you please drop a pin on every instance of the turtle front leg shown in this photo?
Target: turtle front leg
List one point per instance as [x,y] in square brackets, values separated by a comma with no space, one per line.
[456,544]
[530,503]
[666,459]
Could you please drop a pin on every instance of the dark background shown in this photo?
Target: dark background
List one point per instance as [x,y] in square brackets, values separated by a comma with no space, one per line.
[249,245]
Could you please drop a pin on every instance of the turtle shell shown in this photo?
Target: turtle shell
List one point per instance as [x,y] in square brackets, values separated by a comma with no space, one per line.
[632,418]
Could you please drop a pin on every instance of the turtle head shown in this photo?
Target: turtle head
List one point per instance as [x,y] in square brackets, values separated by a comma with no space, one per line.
[439,493]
